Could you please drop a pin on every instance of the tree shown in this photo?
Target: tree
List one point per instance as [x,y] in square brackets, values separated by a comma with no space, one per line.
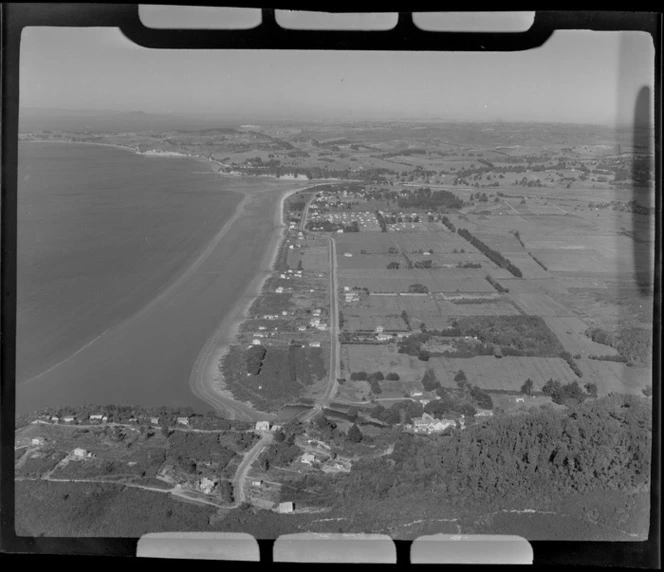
[551,388]
[591,388]
[429,380]
[375,386]
[354,434]
[353,412]
[358,375]
[299,264]
[460,377]
[392,376]
[527,387]
[647,390]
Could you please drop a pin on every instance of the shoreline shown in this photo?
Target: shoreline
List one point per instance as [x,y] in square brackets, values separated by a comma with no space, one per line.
[206,379]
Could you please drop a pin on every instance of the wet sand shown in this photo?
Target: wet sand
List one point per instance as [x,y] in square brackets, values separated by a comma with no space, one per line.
[206,379]
[147,359]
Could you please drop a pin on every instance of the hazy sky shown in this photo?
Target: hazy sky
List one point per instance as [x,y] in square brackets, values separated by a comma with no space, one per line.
[577,76]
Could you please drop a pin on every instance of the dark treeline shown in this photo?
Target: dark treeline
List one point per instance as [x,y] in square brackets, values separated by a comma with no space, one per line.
[496,285]
[448,224]
[491,254]
[381,221]
[602,445]
[425,198]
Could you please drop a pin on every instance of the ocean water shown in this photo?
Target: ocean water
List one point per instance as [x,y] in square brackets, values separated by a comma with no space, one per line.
[110,308]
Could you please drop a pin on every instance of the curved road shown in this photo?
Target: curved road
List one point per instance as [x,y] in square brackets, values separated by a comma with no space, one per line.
[245,465]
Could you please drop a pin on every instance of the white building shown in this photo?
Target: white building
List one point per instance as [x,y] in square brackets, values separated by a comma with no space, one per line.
[314,344]
[96,417]
[285,507]
[154,420]
[80,453]
[68,419]
[255,342]
[308,459]
[38,441]
[262,425]
[207,485]
[183,420]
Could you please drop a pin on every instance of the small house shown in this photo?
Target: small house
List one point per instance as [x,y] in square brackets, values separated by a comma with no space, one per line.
[154,420]
[183,421]
[68,419]
[314,344]
[308,459]
[104,418]
[285,507]
[280,290]
[275,428]
[37,441]
[80,453]
[520,400]
[96,417]
[348,255]
[207,485]
[262,425]
[256,483]
[255,342]
[55,419]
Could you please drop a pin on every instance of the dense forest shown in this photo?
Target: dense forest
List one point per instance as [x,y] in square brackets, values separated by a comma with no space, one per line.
[599,445]
[633,344]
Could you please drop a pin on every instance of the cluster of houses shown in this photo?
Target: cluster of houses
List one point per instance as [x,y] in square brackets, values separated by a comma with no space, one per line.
[365,219]
[429,424]
[351,295]
[319,454]
[99,418]
[288,274]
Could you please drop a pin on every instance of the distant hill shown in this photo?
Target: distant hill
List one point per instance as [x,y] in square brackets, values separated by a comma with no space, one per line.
[41,119]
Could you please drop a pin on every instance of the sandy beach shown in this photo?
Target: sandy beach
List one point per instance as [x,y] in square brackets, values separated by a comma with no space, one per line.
[206,378]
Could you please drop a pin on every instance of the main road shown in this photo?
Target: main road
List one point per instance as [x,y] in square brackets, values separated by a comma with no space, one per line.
[333,368]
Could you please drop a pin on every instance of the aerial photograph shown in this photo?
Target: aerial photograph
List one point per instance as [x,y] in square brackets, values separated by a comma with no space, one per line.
[287,291]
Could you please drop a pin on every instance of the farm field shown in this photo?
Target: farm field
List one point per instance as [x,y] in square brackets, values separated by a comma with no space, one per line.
[364,262]
[570,333]
[575,260]
[387,282]
[540,304]
[314,256]
[529,268]
[370,322]
[615,376]
[504,374]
